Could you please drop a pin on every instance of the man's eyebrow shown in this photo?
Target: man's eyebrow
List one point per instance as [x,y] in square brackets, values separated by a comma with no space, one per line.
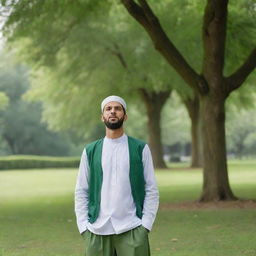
[117,107]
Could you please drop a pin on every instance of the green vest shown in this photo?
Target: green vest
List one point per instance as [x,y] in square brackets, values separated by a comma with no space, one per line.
[94,152]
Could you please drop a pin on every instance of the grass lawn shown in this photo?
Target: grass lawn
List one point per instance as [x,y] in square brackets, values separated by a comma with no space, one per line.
[37,217]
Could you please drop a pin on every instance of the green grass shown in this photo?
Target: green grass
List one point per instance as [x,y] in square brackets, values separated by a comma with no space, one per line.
[37,217]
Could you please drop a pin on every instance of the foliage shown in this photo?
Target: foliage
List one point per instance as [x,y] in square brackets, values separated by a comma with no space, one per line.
[136,124]
[241,133]
[79,61]
[97,58]
[4,100]
[83,47]
[21,130]
[175,123]
[89,70]
[241,36]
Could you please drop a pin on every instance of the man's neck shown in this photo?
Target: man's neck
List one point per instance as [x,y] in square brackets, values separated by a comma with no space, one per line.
[114,134]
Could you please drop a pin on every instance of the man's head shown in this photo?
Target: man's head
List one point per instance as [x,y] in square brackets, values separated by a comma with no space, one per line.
[113,112]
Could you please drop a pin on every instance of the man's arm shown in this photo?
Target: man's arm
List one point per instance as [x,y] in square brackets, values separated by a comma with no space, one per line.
[81,194]
[151,201]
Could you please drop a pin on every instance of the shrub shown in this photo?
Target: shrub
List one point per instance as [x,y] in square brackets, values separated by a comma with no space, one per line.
[32,162]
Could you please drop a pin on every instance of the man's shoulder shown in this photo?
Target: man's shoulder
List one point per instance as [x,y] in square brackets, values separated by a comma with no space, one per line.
[91,145]
[137,141]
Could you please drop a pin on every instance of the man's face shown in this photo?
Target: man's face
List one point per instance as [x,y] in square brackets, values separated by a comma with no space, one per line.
[113,115]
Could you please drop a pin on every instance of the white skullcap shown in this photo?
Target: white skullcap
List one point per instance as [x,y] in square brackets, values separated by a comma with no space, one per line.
[113,98]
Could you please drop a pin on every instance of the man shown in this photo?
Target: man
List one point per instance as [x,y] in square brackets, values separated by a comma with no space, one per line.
[116,196]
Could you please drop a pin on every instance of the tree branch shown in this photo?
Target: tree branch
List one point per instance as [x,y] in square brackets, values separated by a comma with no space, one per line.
[117,53]
[154,100]
[147,11]
[145,16]
[239,76]
[135,11]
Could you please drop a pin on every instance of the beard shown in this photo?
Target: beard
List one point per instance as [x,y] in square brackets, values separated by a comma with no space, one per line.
[115,125]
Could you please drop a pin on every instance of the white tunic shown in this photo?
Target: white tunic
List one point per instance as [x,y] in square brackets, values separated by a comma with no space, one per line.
[117,209]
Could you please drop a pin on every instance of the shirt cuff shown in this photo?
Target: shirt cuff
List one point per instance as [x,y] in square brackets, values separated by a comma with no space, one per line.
[146,223]
[82,228]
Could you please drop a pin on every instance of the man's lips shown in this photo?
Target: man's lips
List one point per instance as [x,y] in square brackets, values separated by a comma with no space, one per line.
[113,117]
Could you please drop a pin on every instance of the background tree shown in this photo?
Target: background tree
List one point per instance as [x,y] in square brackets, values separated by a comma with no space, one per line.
[212,86]
[21,129]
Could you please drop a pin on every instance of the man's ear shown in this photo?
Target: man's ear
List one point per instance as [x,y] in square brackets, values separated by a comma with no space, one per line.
[125,117]
[102,118]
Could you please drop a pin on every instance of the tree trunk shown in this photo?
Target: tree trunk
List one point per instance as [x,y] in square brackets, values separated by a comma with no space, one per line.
[193,108]
[215,182]
[154,102]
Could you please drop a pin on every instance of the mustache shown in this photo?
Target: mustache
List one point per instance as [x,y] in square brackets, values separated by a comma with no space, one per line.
[113,117]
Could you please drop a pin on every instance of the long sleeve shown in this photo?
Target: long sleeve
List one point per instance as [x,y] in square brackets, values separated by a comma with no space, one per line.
[81,194]
[151,201]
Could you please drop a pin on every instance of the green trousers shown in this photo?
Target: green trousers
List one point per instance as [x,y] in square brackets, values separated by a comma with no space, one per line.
[131,243]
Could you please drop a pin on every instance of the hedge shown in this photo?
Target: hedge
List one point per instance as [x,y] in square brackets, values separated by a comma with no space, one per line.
[33,162]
